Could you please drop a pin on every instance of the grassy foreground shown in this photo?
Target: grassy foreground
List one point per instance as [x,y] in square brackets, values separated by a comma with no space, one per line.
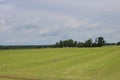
[61,64]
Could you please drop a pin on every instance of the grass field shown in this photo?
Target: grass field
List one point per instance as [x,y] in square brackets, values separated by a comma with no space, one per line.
[61,64]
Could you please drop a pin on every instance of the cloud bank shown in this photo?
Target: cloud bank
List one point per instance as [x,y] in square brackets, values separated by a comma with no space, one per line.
[48,21]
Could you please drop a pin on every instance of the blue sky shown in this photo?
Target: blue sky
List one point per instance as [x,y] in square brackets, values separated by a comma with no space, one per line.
[48,21]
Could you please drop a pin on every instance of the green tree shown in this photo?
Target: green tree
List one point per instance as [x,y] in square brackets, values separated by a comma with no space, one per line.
[75,44]
[61,44]
[88,43]
[118,43]
[70,43]
[57,44]
[80,44]
[101,41]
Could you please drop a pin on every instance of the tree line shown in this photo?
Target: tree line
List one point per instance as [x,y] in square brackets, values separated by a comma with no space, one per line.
[98,42]
[2,47]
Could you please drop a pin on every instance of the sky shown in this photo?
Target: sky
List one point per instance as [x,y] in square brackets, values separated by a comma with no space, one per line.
[38,22]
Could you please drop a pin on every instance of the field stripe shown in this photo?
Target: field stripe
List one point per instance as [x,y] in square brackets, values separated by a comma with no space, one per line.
[18,78]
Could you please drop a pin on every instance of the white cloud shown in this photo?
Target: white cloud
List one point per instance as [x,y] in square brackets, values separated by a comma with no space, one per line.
[35,20]
[2,26]
[2,22]
[74,23]
[6,7]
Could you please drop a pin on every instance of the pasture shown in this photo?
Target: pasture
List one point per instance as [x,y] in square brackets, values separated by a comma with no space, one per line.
[61,64]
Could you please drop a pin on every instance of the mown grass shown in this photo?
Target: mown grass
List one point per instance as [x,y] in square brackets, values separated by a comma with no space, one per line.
[61,64]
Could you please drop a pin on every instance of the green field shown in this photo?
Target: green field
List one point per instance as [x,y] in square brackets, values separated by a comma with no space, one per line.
[61,64]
